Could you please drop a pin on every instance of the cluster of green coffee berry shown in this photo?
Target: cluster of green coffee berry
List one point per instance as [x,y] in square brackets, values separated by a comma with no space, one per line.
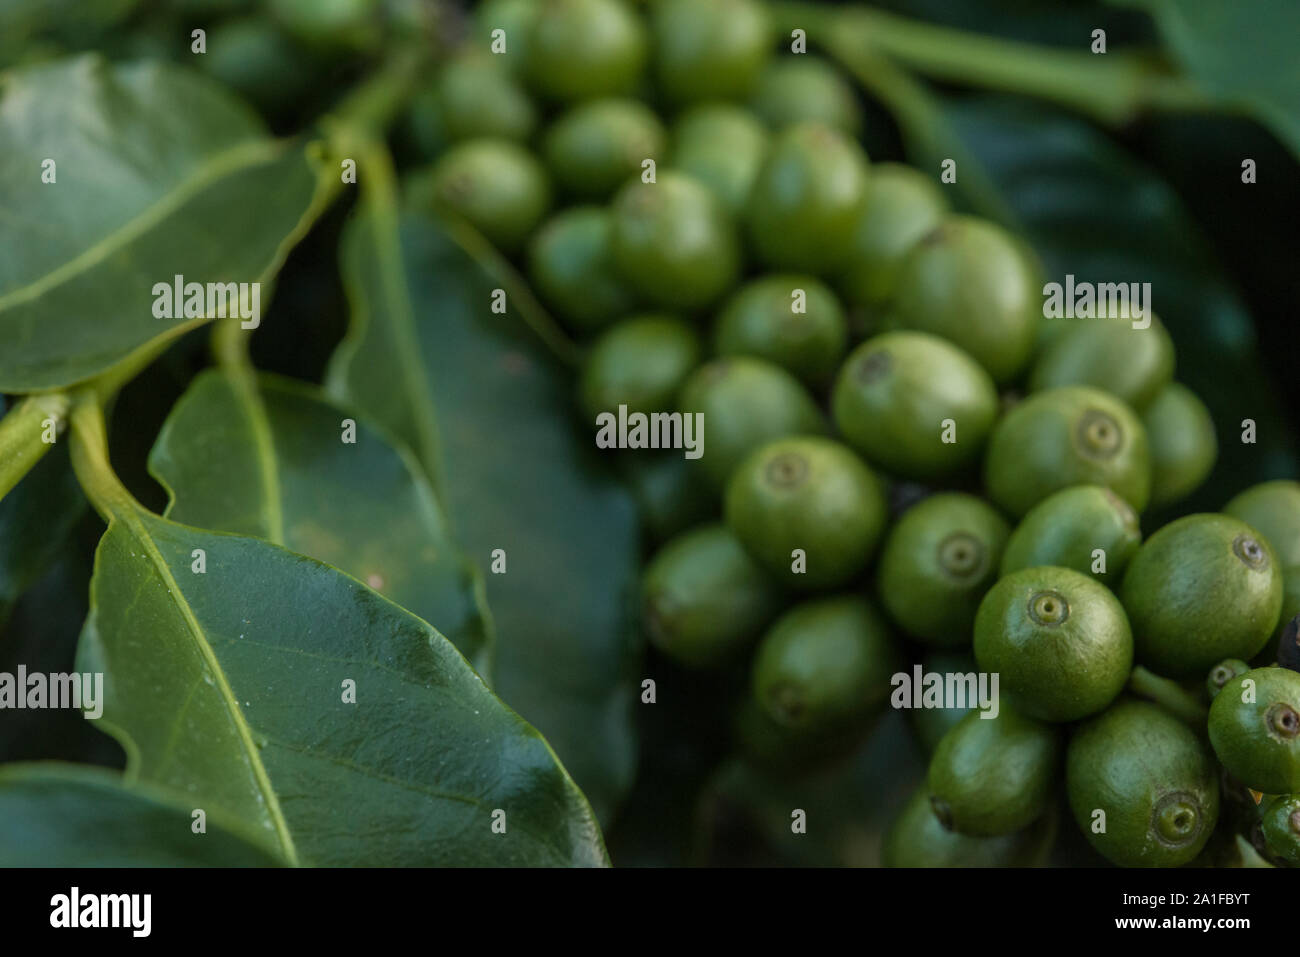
[857,349]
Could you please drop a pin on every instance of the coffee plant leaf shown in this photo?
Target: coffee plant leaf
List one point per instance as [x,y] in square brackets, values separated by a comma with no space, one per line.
[379,367]
[338,728]
[1241,53]
[274,458]
[115,180]
[65,815]
[524,488]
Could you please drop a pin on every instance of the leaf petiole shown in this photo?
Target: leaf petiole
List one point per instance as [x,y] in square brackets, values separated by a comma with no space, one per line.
[27,432]
[90,459]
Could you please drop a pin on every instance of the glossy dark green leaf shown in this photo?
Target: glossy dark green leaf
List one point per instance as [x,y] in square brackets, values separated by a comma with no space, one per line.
[158,172]
[1243,53]
[516,475]
[67,815]
[267,458]
[378,368]
[1090,209]
[231,686]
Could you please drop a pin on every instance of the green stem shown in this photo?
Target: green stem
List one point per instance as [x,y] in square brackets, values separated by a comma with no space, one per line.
[90,459]
[23,433]
[925,129]
[1170,696]
[369,109]
[1111,87]
[230,347]
[23,430]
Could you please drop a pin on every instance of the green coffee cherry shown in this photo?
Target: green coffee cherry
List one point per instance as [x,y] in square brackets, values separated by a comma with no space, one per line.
[514,18]
[1201,589]
[710,51]
[1183,445]
[1059,640]
[1222,673]
[496,185]
[808,509]
[673,242]
[970,282]
[254,56]
[746,403]
[723,147]
[596,146]
[917,839]
[807,199]
[331,27]
[783,751]
[914,404]
[641,363]
[571,266]
[992,775]
[704,599]
[583,49]
[1069,436]
[931,724]
[669,494]
[825,665]
[1272,509]
[794,89]
[477,96]
[792,320]
[1143,788]
[1281,825]
[903,204]
[937,562]
[1070,527]
[1133,365]
[1255,729]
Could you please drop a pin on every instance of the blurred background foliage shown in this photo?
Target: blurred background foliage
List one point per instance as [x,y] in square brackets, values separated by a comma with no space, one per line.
[1152,196]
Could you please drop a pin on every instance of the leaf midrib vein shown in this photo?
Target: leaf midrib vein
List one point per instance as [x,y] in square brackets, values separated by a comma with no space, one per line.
[409,355]
[244,155]
[138,529]
[247,393]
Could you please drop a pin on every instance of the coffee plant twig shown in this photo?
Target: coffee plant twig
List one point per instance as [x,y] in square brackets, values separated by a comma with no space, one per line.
[1111,89]
[1168,695]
